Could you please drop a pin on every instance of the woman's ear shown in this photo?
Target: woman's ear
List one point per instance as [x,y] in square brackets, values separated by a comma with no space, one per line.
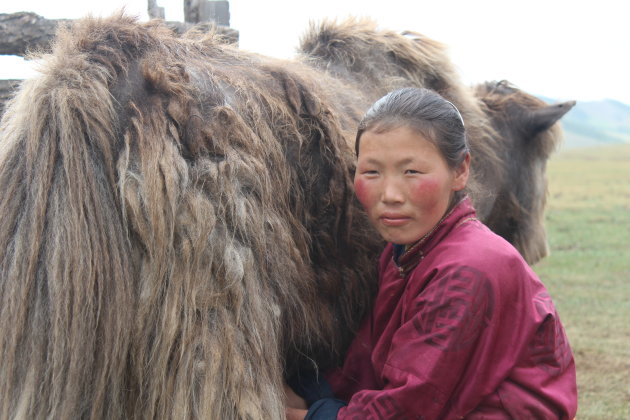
[461,174]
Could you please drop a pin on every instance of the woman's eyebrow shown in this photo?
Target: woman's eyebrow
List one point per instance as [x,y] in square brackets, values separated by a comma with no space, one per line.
[372,161]
[406,161]
[403,162]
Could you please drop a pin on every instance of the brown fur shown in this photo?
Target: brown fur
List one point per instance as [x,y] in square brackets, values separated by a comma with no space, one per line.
[171,230]
[360,54]
[178,225]
[509,145]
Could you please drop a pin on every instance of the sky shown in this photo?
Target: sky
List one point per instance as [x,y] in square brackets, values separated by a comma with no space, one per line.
[561,49]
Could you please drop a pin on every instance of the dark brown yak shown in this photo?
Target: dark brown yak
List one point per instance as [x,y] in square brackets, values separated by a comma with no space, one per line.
[178,221]
[511,133]
[528,135]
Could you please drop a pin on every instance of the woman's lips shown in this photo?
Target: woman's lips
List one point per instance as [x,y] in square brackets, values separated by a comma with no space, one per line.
[394,220]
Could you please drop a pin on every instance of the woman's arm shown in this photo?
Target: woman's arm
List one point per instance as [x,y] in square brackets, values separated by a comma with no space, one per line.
[321,406]
[424,363]
[295,413]
[293,400]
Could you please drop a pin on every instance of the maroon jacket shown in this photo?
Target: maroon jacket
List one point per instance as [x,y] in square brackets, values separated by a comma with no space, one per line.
[461,328]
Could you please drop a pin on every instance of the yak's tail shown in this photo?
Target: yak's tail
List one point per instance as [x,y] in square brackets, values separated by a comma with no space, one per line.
[65,291]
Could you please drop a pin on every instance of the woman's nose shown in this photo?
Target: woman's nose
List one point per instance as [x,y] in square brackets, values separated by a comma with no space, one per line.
[392,192]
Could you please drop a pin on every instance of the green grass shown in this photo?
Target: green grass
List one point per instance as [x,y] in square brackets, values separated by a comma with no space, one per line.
[588,271]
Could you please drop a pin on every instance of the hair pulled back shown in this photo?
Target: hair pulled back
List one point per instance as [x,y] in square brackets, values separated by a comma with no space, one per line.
[425,112]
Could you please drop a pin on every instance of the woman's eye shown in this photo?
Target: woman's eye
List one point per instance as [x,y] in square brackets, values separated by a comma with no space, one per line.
[412,171]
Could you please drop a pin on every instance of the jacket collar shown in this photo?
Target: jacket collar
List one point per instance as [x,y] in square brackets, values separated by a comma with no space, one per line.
[408,259]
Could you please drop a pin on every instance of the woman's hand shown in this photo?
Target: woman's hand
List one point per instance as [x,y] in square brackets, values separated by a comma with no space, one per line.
[295,413]
[293,400]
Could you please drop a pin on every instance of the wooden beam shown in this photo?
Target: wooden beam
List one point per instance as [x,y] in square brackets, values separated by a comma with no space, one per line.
[26,31]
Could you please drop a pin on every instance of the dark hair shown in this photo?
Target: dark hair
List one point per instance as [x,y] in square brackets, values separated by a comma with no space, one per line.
[425,112]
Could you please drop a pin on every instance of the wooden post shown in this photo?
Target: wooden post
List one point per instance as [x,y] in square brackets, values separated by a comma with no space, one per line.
[25,31]
[198,11]
[155,12]
[7,89]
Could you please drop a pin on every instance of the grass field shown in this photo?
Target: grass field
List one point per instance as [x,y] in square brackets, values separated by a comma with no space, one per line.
[588,271]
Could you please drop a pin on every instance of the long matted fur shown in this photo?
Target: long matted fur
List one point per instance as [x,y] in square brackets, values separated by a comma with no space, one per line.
[178,225]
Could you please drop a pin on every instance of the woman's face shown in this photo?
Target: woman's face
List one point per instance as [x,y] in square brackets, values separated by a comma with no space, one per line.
[404,183]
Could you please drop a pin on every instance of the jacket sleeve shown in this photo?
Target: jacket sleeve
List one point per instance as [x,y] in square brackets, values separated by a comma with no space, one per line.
[445,340]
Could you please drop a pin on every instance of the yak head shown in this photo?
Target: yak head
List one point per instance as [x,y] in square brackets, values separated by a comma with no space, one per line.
[527,135]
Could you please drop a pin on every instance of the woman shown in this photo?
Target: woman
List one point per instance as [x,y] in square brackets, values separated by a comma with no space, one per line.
[461,326]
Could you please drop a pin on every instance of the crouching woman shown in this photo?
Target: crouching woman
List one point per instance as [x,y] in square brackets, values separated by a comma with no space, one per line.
[461,326]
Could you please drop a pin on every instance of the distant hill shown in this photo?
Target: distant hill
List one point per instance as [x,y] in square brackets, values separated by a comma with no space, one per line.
[592,123]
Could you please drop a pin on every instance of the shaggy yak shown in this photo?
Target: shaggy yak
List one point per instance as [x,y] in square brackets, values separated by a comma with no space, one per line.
[526,127]
[178,225]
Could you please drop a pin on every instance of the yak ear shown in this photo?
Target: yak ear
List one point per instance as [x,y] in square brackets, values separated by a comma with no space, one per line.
[543,118]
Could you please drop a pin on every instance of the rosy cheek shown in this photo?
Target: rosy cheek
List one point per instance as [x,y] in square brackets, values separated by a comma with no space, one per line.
[363,191]
[424,189]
